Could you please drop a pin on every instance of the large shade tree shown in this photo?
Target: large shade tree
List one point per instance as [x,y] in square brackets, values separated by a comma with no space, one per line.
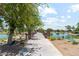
[13,16]
[21,15]
[33,19]
[1,13]
[1,9]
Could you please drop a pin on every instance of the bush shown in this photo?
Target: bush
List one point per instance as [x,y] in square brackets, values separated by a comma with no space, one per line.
[52,38]
[74,42]
[59,38]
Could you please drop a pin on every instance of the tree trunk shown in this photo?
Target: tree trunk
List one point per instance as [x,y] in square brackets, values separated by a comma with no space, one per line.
[29,34]
[11,32]
[26,36]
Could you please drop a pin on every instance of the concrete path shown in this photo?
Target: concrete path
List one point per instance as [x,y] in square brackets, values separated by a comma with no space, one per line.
[40,46]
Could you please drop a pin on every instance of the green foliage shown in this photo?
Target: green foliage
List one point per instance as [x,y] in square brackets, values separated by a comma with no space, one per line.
[18,15]
[41,30]
[52,38]
[68,27]
[33,19]
[49,30]
[75,42]
[13,14]
[1,23]
[1,9]
[77,28]
[75,36]
[73,27]
[21,17]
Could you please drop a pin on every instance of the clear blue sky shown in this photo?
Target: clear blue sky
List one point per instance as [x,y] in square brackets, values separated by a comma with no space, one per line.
[58,15]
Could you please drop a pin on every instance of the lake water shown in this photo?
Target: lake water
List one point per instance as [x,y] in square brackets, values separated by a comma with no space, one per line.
[65,36]
[3,36]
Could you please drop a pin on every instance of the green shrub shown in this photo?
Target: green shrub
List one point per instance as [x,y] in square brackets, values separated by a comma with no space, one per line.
[52,38]
[59,39]
[75,42]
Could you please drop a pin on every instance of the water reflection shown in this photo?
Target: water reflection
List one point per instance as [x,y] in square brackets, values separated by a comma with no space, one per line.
[64,35]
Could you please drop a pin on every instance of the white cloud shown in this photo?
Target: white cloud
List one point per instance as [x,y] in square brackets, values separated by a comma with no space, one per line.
[63,21]
[45,10]
[74,8]
[68,17]
[50,21]
[62,17]
[40,8]
[50,10]
[53,22]
[69,10]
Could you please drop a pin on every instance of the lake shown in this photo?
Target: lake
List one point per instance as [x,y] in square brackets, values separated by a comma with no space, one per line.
[3,36]
[65,36]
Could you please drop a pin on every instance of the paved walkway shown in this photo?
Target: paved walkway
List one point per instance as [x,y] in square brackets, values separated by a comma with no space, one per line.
[40,46]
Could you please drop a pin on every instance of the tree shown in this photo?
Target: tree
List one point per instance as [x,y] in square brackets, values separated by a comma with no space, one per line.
[1,23]
[49,30]
[13,15]
[21,16]
[33,22]
[68,27]
[73,28]
[1,13]
[1,9]
[41,30]
[77,28]
[62,31]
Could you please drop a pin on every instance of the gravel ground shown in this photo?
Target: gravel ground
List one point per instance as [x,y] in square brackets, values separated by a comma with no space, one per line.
[67,48]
